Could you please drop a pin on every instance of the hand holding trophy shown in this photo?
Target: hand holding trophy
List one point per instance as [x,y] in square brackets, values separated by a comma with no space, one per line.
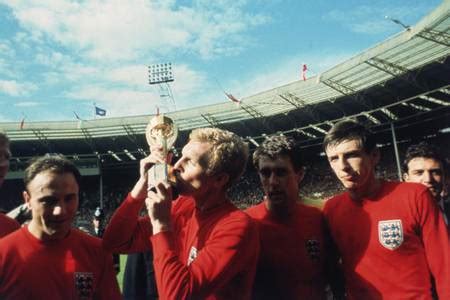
[161,133]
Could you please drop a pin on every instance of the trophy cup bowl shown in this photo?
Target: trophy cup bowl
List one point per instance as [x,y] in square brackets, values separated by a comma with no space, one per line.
[161,132]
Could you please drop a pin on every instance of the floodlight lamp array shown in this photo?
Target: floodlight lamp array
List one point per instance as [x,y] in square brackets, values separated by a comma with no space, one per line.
[160,73]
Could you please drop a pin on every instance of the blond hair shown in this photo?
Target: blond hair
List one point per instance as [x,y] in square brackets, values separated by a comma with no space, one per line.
[228,153]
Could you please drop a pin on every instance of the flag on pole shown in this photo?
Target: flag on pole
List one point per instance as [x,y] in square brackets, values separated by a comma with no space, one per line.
[304,69]
[100,111]
[22,123]
[232,98]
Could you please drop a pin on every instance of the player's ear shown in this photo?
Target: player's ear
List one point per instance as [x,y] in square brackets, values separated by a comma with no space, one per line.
[405,177]
[26,199]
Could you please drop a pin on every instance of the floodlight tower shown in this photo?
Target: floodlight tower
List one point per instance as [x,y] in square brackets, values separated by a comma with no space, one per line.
[161,75]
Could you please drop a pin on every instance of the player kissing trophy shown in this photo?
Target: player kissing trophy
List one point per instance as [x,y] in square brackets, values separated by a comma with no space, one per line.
[161,133]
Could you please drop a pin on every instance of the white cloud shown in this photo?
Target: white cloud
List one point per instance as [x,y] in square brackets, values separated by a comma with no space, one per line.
[90,51]
[5,49]
[125,30]
[27,104]
[125,91]
[118,102]
[187,81]
[14,88]
[52,58]
[6,68]
[7,58]
[132,75]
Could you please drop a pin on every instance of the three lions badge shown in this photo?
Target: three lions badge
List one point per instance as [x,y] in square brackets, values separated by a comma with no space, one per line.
[84,284]
[390,233]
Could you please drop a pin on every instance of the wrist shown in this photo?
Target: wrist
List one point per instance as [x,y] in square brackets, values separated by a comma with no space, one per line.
[139,190]
[158,227]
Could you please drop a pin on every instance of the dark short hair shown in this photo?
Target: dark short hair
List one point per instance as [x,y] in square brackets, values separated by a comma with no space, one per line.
[350,130]
[53,163]
[278,145]
[425,150]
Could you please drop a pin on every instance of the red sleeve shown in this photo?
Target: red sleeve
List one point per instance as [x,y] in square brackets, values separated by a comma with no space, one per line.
[108,288]
[7,225]
[436,242]
[229,250]
[126,231]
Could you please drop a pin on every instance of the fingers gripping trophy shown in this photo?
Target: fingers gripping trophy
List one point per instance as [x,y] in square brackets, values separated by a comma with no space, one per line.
[161,133]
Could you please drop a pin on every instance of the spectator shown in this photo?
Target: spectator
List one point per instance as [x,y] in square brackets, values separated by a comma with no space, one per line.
[293,259]
[424,164]
[203,246]
[48,259]
[99,228]
[7,225]
[391,236]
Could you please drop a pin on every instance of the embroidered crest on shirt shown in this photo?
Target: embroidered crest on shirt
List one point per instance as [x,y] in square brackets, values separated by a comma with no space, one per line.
[313,249]
[84,284]
[192,255]
[390,233]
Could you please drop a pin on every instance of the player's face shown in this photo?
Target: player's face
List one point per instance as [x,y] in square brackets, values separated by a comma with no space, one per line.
[427,171]
[53,200]
[5,155]
[279,180]
[353,166]
[191,168]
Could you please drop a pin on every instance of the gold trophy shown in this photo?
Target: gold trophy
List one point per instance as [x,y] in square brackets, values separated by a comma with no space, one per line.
[161,132]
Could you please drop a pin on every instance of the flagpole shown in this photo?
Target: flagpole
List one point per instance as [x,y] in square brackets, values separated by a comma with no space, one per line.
[22,123]
[229,95]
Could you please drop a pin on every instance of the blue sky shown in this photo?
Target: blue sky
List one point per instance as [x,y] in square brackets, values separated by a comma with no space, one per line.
[60,57]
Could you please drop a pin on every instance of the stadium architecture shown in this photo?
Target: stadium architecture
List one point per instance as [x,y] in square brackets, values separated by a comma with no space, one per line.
[400,88]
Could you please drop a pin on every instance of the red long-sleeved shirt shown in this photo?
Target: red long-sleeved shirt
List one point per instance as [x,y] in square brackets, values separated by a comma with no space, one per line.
[75,267]
[390,243]
[209,255]
[292,258]
[7,225]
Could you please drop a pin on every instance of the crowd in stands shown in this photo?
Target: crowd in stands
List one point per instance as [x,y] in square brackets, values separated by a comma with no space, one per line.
[319,184]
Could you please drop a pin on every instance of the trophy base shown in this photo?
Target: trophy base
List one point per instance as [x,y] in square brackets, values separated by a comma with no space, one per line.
[162,172]
[157,173]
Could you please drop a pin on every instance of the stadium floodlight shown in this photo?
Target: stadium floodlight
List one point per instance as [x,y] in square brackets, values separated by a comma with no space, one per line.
[142,152]
[160,73]
[114,155]
[129,154]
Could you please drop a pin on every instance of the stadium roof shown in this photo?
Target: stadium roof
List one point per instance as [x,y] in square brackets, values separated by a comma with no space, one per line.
[402,81]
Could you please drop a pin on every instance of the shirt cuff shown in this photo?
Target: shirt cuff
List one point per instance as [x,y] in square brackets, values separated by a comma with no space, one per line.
[162,242]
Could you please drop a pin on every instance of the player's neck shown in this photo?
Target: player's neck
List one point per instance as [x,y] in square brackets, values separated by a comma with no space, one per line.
[37,231]
[369,190]
[281,211]
[210,201]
